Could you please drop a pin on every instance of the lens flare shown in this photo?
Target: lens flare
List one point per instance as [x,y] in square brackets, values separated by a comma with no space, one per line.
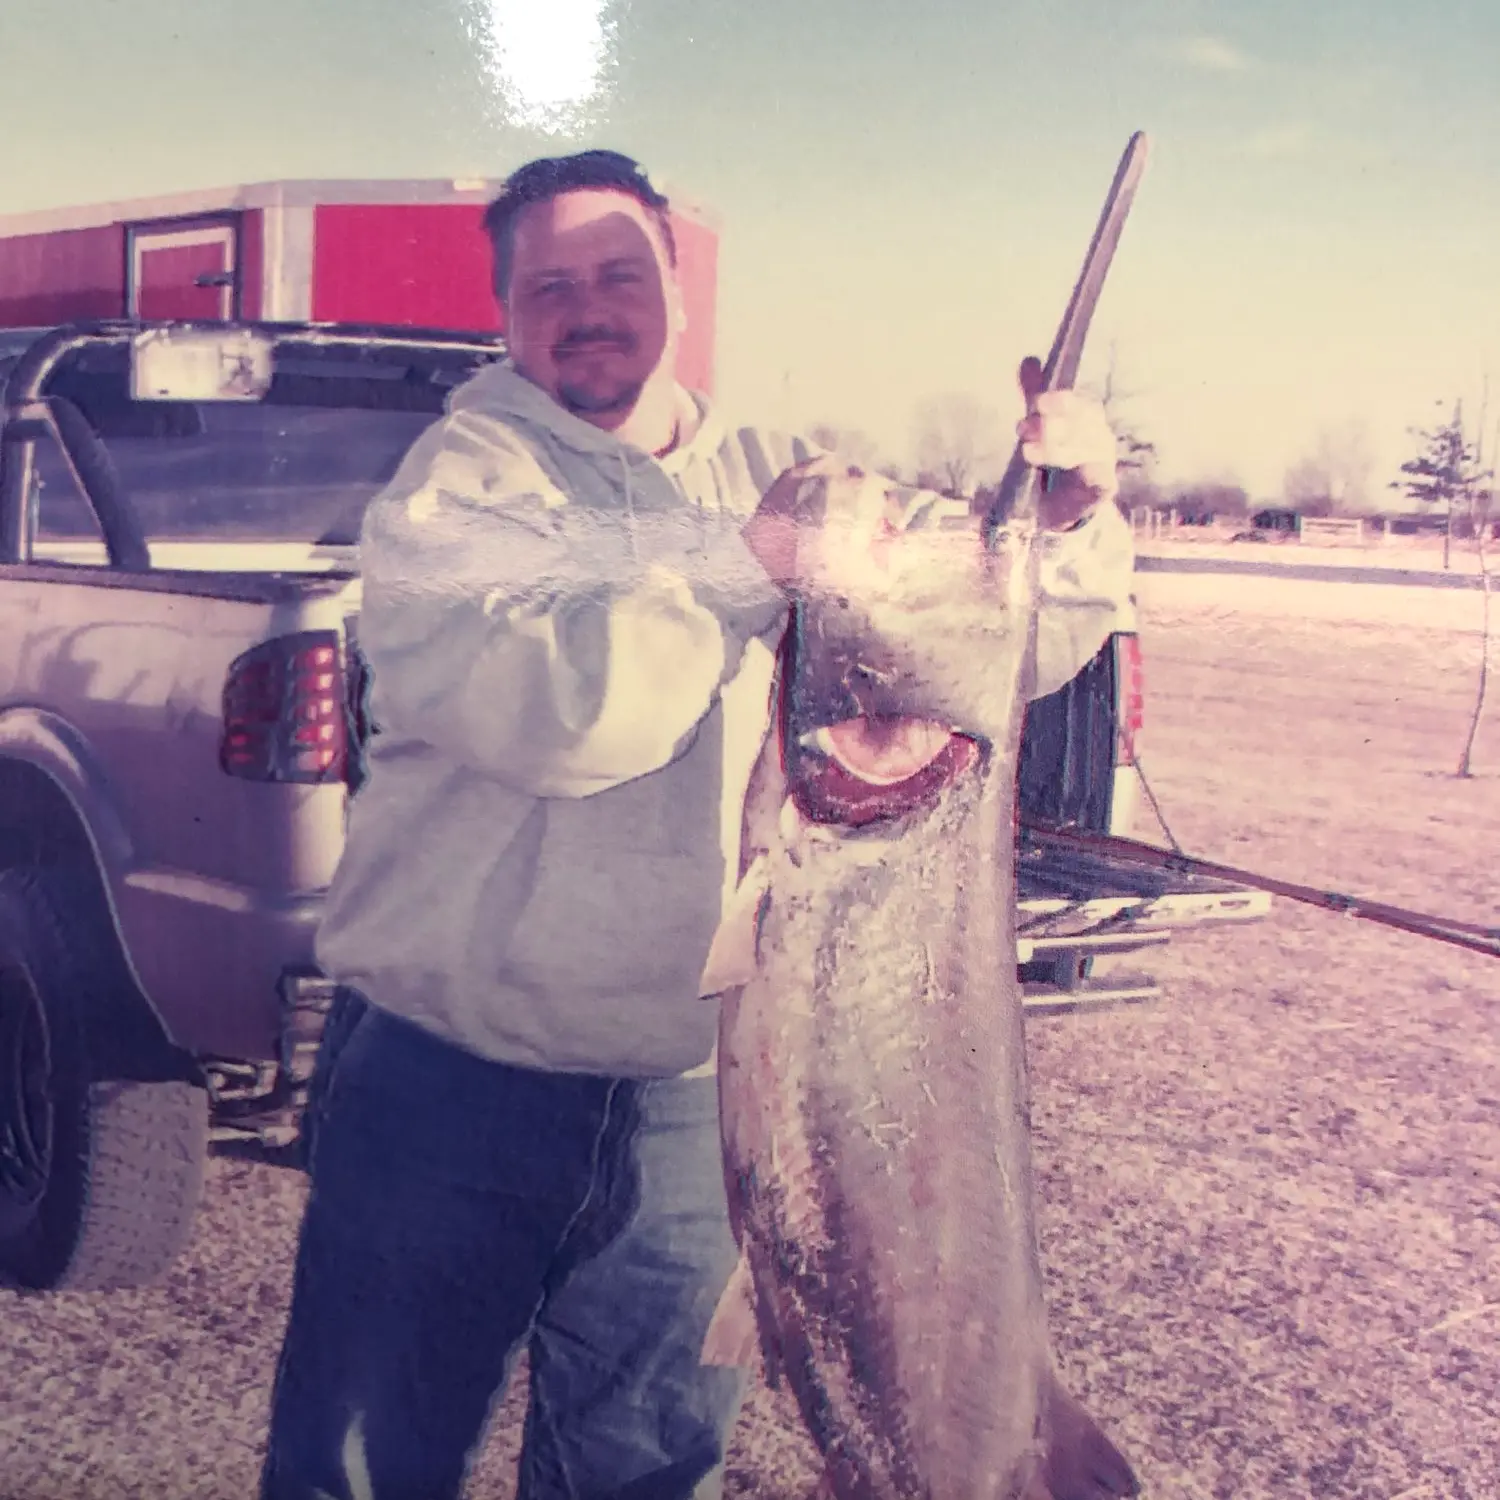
[546,64]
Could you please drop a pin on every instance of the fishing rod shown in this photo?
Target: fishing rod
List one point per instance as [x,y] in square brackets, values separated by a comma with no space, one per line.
[1015,494]
[1471,935]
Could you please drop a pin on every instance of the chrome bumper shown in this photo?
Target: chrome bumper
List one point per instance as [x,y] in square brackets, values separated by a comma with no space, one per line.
[261,1104]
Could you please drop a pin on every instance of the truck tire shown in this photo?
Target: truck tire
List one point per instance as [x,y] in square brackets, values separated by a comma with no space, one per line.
[100,1177]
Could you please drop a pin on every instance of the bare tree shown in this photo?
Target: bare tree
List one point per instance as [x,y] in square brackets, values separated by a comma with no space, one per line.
[1137,454]
[1212,497]
[958,439]
[1333,479]
[856,445]
[852,443]
[1308,488]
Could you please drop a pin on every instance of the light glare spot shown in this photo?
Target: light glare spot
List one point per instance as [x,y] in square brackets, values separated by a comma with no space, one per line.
[544,62]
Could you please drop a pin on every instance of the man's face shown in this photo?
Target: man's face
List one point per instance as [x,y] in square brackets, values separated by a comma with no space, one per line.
[591,308]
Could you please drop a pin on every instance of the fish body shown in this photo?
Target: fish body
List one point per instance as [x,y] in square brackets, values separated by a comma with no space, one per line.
[872,1071]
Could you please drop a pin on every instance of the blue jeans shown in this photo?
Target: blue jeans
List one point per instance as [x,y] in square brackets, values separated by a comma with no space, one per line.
[461,1210]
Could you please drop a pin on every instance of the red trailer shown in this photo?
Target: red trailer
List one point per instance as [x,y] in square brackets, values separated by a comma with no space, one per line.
[410,253]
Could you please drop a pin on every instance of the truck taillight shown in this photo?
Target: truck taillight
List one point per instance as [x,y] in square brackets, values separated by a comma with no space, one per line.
[1130,696]
[286,711]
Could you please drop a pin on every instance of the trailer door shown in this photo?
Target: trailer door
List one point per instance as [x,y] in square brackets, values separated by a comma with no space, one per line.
[183,271]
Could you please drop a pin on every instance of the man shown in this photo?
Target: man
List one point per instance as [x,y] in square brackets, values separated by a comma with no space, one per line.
[513,1139]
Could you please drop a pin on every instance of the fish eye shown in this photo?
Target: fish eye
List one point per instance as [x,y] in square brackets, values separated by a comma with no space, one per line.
[875,768]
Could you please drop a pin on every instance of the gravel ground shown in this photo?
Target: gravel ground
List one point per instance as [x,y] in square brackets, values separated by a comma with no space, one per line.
[1269,1201]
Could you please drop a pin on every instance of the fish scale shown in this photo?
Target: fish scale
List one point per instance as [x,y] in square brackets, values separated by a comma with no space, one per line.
[866,1092]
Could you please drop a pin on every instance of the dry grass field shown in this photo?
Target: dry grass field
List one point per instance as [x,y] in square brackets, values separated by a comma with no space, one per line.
[1271,1202]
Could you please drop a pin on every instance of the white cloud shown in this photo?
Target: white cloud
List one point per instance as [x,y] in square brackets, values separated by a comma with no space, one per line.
[1212,54]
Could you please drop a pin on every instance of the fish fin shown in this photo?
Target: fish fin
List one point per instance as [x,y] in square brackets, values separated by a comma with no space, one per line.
[734,952]
[732,1331]
[1080,1462]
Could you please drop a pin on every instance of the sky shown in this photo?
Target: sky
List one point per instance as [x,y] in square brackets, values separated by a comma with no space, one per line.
[906,192]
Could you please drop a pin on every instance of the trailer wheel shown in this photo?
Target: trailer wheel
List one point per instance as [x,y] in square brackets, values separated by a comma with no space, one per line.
[100,1178]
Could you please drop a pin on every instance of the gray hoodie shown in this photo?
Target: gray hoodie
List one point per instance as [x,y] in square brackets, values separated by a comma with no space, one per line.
[572,653]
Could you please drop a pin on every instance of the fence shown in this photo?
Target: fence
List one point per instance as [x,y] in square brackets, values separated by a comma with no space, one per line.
[1152,523]
[1383,539]
[1336,531]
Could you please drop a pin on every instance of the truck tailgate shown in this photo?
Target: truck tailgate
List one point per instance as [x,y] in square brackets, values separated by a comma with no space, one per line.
[1066,893]
[1077,905]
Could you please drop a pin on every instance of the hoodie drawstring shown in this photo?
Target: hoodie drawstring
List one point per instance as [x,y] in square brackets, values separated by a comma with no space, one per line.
[635,551]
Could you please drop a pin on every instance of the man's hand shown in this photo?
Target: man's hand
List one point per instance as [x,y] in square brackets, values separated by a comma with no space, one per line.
[1067,432]
[1064,432]
[772,532]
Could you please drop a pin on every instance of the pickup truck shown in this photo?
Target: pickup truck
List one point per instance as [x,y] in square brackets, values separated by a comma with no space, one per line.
[182,713]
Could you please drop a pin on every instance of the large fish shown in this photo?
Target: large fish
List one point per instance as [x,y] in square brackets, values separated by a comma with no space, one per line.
[872,1072]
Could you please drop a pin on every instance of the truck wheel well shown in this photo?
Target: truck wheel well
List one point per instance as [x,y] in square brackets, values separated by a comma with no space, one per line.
[40,828]
[38,823]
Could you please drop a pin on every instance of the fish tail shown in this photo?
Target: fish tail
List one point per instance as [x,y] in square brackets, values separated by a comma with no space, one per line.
[1079,1459]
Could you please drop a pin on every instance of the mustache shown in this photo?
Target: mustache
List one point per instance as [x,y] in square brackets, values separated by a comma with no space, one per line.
[595,334]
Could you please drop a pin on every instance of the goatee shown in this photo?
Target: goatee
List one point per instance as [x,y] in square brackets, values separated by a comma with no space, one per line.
[580,400]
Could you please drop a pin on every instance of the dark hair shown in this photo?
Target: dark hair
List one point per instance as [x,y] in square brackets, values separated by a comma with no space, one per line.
[549,177]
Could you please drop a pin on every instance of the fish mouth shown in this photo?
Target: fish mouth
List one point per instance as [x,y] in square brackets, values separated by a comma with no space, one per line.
[863,740]
[875,769]
[882,750]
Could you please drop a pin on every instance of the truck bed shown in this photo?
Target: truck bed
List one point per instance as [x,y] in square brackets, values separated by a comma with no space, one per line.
[1075,907]
[1049,882]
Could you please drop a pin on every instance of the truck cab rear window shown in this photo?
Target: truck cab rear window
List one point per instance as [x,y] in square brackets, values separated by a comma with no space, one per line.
[299,467]
[64,528]
[263,473]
